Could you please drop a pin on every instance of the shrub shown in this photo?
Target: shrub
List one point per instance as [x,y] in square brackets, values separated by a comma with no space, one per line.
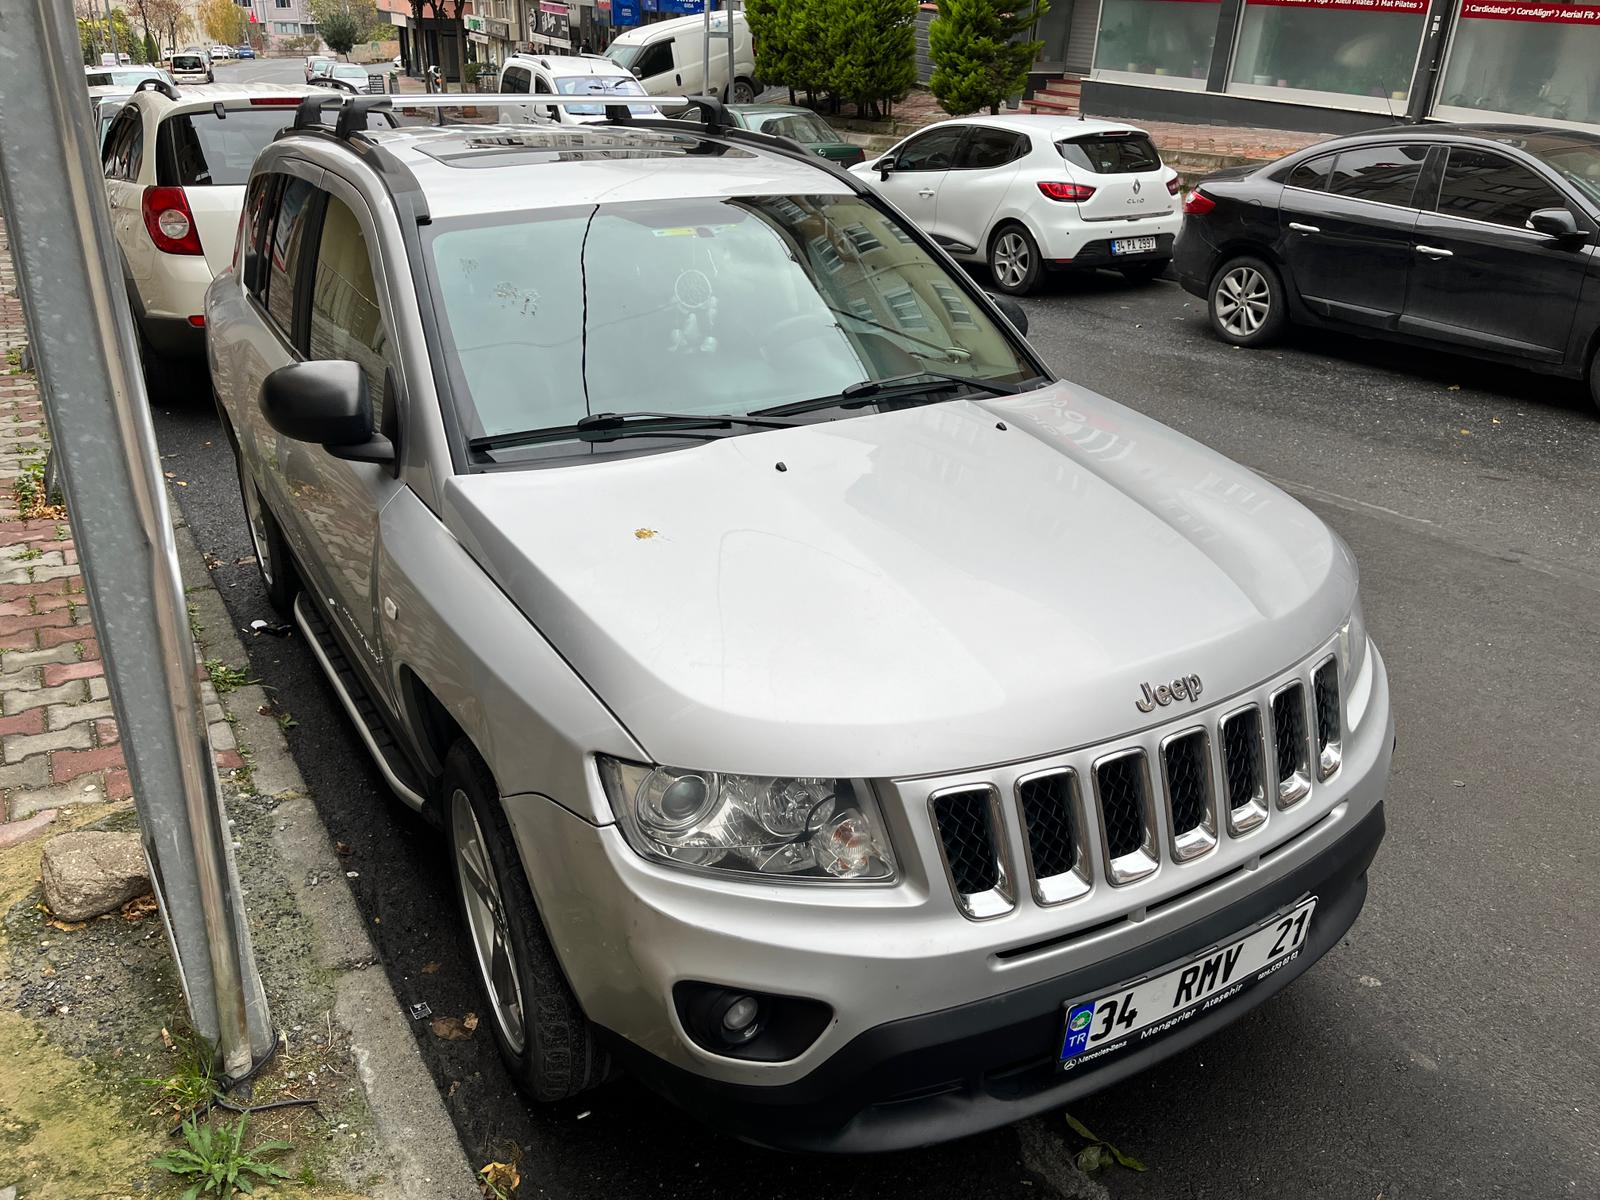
[979,59]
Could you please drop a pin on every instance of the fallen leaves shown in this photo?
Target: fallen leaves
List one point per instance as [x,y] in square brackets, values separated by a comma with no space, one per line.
[342,849]
[644,534]
[140,907]
[454,1029]
[499,1180]
[65,926]
[1097,1153]
[430,968]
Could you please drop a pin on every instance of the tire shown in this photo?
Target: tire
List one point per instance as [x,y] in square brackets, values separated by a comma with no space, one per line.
[1145,272]
[1594,380]
[545,1039]
[1014,262]
[1246,303]
[744,91]
[272,552]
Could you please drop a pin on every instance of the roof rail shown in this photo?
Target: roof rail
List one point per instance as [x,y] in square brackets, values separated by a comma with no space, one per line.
[353,117]
[354,108]
[309,113]
[159,85]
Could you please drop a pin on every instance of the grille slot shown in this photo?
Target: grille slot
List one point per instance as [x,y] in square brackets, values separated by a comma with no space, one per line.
[1186,772]
[970,838]
[1052,823]
[1330,748]
[1122,788]
[1289,744]
[1244,777]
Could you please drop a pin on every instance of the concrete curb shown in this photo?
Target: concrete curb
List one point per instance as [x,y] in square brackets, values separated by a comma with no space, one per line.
[420,1150]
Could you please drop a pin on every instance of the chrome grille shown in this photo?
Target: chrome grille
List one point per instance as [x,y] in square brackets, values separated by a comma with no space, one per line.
[1330,746]
[1186,772]
[1122,788]
[1243,773]
[1050,807]
[971,840]
[1289,744]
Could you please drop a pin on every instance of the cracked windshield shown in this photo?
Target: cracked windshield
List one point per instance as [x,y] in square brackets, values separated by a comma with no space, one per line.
[738,304]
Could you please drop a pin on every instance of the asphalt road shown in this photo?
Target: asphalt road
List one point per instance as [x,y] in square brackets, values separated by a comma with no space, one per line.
[1449,1047]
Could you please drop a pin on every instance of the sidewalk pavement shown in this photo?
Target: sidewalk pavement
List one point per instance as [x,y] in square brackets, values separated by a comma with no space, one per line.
[99,994]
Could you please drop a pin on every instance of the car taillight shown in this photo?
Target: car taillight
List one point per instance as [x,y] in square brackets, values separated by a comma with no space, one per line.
[169,222]
[1174,186]
[1198,203]
[1065,191]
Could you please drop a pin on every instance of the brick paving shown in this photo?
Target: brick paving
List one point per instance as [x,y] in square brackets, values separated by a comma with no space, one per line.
[59,743]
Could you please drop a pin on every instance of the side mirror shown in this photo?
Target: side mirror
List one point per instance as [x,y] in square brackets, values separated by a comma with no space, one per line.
[1554,222]
[1013,312]
[883,166]
[325,402]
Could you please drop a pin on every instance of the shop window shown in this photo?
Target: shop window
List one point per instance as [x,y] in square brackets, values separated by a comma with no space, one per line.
[1487,187]
[1531,61]
[1387,174]
[1170,38]
[1339,47]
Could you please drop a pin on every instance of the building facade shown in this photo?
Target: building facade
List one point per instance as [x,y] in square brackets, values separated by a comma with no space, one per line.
[1329,65]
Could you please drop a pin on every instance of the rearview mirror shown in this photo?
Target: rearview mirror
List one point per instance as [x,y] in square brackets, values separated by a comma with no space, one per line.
[883,166]
[1554,222]
[325,402]
[1013,312]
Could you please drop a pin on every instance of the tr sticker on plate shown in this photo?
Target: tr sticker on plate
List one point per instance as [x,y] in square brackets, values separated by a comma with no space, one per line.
[1133,1014]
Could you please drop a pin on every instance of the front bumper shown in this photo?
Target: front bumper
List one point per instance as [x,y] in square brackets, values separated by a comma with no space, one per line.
[947,1074]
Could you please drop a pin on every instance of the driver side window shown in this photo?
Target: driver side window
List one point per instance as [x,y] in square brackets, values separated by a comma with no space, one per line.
[656,60]
[932,151]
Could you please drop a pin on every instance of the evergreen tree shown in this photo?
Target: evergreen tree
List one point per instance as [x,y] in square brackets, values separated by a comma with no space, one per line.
[876,63]
[979,57]
[771,26]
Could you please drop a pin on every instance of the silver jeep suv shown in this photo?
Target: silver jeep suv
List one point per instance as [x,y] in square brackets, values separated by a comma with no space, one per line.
[854,731]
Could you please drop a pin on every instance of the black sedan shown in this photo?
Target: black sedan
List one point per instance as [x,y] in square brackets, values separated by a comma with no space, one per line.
[1475,238]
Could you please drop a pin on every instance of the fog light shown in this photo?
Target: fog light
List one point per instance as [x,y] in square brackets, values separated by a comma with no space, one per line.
[741,1019]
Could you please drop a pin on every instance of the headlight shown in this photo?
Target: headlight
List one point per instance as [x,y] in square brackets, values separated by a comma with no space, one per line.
[790,828]
[1352,648]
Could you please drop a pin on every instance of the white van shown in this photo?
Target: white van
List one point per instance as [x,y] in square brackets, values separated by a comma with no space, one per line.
[668,58]
[568,75]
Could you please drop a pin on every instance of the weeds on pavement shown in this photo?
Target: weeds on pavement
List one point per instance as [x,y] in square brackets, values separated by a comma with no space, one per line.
[224,678]
[214,1161]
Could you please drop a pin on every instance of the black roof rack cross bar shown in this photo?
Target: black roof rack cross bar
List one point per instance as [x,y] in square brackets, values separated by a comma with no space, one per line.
[712,112]
[308,115]
[353,117]
[160,85]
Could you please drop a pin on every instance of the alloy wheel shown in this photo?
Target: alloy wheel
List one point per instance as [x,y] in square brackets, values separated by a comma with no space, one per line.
[743,93]
[1243,301]
[1011,260]
[486,921]
[256,519]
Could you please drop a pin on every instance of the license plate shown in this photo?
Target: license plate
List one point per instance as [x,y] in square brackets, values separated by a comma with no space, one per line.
[1138,245]
[1136,1012]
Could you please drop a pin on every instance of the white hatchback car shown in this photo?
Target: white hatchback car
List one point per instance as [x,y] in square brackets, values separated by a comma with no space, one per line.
[1031,193]
[567,75]
[175,164]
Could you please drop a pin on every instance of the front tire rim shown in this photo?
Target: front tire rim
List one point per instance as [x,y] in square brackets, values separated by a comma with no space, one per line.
[486,921]
[256,518]
[1243,301]
[1012,259]
[743,93]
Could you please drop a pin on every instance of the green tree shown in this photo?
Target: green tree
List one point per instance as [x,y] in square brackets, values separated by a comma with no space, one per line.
[343,23]
[95,37]
[772,28]
[875,59]
[980,57]
[222,21]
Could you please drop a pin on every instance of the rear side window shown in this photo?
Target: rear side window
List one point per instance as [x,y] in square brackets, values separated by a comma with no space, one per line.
[1112,153]
[986,148]
[288,245]
[1387,174]
[1487,187]
[199,149]
[1312,175]
[123,154]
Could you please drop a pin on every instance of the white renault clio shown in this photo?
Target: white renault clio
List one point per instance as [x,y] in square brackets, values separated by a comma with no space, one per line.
[1033,193]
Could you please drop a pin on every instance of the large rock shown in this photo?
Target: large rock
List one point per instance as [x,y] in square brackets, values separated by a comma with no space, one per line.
[86,874]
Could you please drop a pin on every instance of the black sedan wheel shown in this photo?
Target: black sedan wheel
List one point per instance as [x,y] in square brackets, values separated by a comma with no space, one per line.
[1594,380]
[1246,304]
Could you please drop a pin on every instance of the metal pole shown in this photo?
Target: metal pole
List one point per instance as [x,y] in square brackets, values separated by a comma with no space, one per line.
[731,75]
[81,333]
[111,33]
[705,57]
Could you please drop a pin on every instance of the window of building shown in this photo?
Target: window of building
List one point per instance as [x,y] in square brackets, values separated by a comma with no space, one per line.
[1168,38]
[288,237]
[346,321]
[1350,48]
[1535,61]
[1387,174]
[862,239]
[1489,187]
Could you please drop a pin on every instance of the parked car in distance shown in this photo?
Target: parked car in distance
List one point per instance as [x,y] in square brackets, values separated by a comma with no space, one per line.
[668,58]
[190,66]
[245,50]
[798,125]
[1480,239]
[762,726]
[1032,194]
[221,53]
[349,77]
[125,78]
[175,163]
[567,75]
[317,64]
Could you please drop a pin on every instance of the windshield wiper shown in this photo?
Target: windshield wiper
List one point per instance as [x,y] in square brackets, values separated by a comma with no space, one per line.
[605,427]
[870,391]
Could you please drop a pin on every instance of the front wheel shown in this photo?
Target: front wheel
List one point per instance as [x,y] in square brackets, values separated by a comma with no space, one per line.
[1014,261]
[266,539]
[1594,380]
[542,1033]
[744,92]
[1246,303]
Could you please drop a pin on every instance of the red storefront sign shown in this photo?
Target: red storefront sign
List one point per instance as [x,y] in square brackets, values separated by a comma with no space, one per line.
[1504,10]
[1385,6]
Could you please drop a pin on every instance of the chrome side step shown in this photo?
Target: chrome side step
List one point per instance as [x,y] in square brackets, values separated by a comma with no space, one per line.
[369,723]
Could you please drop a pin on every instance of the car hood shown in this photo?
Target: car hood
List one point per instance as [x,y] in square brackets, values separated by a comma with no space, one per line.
[904,593]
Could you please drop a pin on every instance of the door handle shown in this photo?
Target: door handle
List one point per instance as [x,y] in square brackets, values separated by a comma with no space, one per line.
[1435,252]
[926,192]
[1300,228]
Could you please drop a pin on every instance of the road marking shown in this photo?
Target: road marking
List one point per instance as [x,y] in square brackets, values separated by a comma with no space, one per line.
[1307,489]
